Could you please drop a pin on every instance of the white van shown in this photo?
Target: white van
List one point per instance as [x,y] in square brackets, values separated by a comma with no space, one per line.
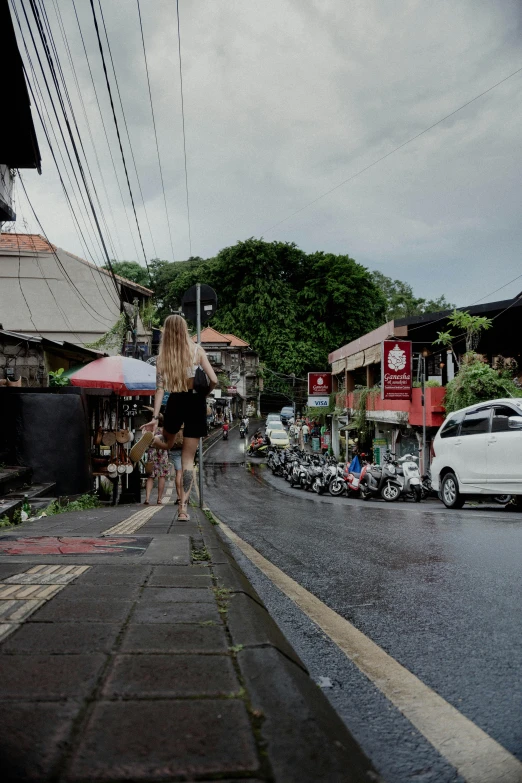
[478,451]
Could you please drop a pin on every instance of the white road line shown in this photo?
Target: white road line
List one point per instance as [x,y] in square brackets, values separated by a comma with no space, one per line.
[477,757]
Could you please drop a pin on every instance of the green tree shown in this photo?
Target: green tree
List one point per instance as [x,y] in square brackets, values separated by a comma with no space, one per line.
[476,382]
[131,270]
[401,302]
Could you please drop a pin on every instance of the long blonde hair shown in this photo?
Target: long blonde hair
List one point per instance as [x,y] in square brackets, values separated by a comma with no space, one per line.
[176,354]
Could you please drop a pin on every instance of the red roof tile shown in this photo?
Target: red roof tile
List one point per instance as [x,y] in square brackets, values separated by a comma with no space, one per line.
[25,243]
[236,342]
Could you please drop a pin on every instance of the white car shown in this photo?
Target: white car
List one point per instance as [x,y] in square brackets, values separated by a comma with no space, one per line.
[279,438]
[478,451]
[274,426]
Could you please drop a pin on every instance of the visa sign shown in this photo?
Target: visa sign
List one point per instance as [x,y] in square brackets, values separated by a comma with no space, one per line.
[319,383]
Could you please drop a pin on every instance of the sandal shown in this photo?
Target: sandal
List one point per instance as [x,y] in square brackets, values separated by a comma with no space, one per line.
[146,503]
[182,513]
[139,448]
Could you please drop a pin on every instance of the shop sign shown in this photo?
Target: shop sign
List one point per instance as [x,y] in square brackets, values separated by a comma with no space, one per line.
[396,370]
[319,383]
[232,390]
[318,402]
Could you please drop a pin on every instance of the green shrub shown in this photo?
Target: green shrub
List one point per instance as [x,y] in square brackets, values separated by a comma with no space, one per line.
[81,504]
[478,382]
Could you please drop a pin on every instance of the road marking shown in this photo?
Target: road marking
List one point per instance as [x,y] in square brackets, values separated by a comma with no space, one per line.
[47,575]
[137,520]
[477,757]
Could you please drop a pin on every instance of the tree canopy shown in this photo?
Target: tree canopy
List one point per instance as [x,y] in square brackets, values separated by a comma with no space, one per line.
[292,307]
[401,301]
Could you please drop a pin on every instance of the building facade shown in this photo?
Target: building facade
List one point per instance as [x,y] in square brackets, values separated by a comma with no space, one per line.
[48,292]
[398,425]
[235,362]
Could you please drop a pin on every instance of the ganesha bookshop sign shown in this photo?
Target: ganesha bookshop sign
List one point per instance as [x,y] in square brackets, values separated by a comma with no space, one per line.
[396,370]
[319,389]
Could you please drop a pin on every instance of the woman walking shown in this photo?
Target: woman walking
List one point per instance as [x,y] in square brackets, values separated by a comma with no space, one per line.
[176,367]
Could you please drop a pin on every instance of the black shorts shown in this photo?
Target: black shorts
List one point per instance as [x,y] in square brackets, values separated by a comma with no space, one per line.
[188,410]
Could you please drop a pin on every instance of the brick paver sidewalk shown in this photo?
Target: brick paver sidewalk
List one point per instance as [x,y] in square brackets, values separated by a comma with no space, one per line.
[148,656]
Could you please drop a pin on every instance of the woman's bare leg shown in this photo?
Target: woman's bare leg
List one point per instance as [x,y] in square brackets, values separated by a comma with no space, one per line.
[148,488]
[161,488]
[187,464]
[179,483]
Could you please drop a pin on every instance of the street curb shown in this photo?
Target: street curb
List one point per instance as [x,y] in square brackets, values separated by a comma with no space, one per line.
[306,740]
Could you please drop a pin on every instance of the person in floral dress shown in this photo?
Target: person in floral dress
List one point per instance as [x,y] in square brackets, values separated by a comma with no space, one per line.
[160,470]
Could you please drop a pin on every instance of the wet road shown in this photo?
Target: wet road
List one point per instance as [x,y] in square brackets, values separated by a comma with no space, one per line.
[438,590]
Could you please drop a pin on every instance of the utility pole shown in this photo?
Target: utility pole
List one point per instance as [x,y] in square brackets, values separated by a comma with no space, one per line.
[198,332]
[135,329]
[423,397]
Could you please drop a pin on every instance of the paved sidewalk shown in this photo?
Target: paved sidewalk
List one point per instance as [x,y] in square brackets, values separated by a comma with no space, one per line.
[147,656]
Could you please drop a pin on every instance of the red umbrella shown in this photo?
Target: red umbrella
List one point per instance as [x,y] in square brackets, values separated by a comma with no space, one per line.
[119,373]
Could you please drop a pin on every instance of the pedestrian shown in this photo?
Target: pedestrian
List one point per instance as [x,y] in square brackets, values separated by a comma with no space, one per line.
[160,467]
[306,431]
[175,461]
[292,431]
[300,435]
[179,358]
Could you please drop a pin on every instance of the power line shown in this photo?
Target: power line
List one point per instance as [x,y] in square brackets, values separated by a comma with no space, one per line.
[71,135]
[127,127]
[71,283]
[60,264]
[392,152]
[40,116]
[105,129]
[154,126]
[100,46]
[58,306]
[71,110]
[61,25]
[183,125]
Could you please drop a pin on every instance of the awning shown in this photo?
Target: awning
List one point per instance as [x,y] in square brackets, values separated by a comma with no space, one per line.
[338,366]
[372,355]
[355,361]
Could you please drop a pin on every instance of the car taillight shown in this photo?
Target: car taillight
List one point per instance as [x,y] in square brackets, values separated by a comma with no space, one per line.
[432,450]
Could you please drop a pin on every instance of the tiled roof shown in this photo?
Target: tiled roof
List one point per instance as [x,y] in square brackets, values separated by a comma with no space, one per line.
[236,342]
[25,243]
[210,335]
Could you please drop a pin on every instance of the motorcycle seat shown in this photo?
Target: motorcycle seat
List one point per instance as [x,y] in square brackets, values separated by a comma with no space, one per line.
[356,475]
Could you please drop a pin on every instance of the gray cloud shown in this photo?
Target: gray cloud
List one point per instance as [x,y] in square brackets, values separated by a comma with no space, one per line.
[284,99]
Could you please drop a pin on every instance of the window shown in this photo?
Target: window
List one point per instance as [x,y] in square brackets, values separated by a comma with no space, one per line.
[452,426]
[214,357]
[476,422]
[501,416]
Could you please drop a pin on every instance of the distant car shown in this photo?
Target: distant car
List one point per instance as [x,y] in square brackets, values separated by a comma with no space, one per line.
[279,438]
[272,417]
[287,414]
[478,452]
[274,426]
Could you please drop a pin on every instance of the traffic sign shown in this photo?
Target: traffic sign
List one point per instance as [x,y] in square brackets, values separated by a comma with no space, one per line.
[208,303]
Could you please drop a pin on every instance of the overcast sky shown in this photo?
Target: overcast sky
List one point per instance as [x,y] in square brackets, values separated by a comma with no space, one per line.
[285,99]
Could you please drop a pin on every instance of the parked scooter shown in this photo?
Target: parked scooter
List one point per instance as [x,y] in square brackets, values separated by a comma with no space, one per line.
[328,472]
[376,481]
[408,474]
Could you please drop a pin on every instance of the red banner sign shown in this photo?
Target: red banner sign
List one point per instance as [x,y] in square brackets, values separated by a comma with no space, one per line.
[319,383]
[396,370]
